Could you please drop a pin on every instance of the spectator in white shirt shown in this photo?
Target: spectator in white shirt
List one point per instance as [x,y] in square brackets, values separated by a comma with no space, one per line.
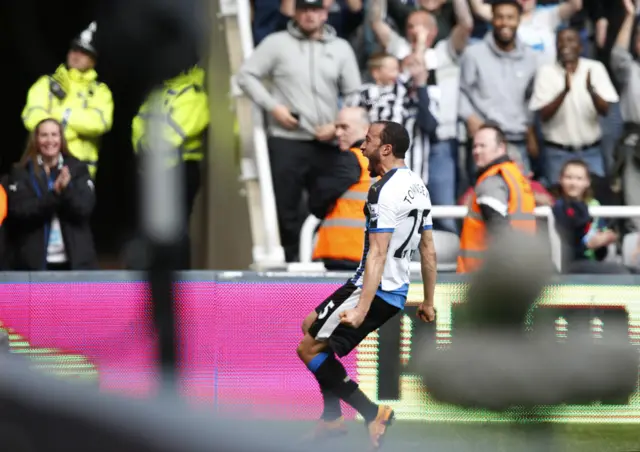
[569,95]
[538,25]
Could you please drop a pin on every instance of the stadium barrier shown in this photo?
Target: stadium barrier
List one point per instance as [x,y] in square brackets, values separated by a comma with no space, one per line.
[237,334]
[307,234]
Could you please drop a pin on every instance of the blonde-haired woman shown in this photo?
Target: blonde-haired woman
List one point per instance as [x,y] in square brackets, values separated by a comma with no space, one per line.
[50,200]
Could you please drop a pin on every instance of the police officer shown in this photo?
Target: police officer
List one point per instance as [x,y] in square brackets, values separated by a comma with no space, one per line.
[74,97]
[183,120]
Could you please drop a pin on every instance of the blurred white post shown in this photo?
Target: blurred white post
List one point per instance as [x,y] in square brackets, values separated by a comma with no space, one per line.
[268,252]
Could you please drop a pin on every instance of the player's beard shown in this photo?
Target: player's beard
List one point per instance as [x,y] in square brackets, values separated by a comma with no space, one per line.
[372,169]
[373,163]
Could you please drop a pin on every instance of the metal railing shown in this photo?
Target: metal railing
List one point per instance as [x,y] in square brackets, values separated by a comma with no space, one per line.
[311,223]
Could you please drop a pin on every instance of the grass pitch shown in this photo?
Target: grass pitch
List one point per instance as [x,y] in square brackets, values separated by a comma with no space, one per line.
[405,436]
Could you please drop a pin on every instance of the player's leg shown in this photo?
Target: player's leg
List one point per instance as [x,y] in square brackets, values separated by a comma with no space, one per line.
[331,422]
[342,339]
[332,376]
[332,411]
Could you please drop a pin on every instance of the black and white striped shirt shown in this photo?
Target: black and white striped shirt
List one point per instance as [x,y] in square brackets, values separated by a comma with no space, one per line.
[399,103]
[385,103]
[417,157]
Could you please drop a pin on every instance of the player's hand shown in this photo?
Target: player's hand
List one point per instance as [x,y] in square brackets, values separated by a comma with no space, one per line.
[426,313]
[352,317]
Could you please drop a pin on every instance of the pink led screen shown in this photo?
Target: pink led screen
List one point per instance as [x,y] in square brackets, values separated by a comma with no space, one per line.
[237,339]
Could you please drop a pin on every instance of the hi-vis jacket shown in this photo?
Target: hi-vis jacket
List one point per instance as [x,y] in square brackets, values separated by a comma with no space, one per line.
[82,104]
[473,240]
[341,234]
[183,117]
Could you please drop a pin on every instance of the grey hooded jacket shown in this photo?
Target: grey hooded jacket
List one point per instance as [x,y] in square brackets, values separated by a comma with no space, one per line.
[307,76]
[496,85]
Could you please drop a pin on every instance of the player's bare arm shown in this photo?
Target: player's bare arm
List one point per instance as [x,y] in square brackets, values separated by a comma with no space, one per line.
[376,258]
[428,268]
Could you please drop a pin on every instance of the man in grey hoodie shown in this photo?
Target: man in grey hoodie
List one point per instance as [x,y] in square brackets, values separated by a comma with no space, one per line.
[496,80]
[309,68]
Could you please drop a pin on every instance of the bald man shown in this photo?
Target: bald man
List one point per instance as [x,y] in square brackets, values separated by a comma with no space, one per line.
[340,239]
[352,124]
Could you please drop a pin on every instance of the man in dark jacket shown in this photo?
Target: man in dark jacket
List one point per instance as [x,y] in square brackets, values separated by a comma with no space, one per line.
[49,216]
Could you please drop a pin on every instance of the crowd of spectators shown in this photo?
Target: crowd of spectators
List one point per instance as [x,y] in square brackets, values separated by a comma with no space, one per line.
[444,68]
[47,200]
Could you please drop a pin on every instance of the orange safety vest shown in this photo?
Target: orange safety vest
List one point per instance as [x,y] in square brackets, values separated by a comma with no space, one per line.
[473,241]
[341,234]
[3,204]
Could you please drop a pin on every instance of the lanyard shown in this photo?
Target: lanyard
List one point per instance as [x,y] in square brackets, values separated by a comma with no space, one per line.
[36,186]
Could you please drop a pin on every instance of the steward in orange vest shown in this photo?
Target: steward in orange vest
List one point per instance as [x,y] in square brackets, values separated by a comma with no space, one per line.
[488,213]
[340,237]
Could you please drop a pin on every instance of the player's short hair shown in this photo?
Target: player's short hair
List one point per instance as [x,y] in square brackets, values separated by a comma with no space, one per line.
[395,135]
[376,60]
[500,136]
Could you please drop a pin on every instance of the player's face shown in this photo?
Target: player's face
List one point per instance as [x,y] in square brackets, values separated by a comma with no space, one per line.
[485,147]
[574,181]
[506,19]
[310,20]
[371,148]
